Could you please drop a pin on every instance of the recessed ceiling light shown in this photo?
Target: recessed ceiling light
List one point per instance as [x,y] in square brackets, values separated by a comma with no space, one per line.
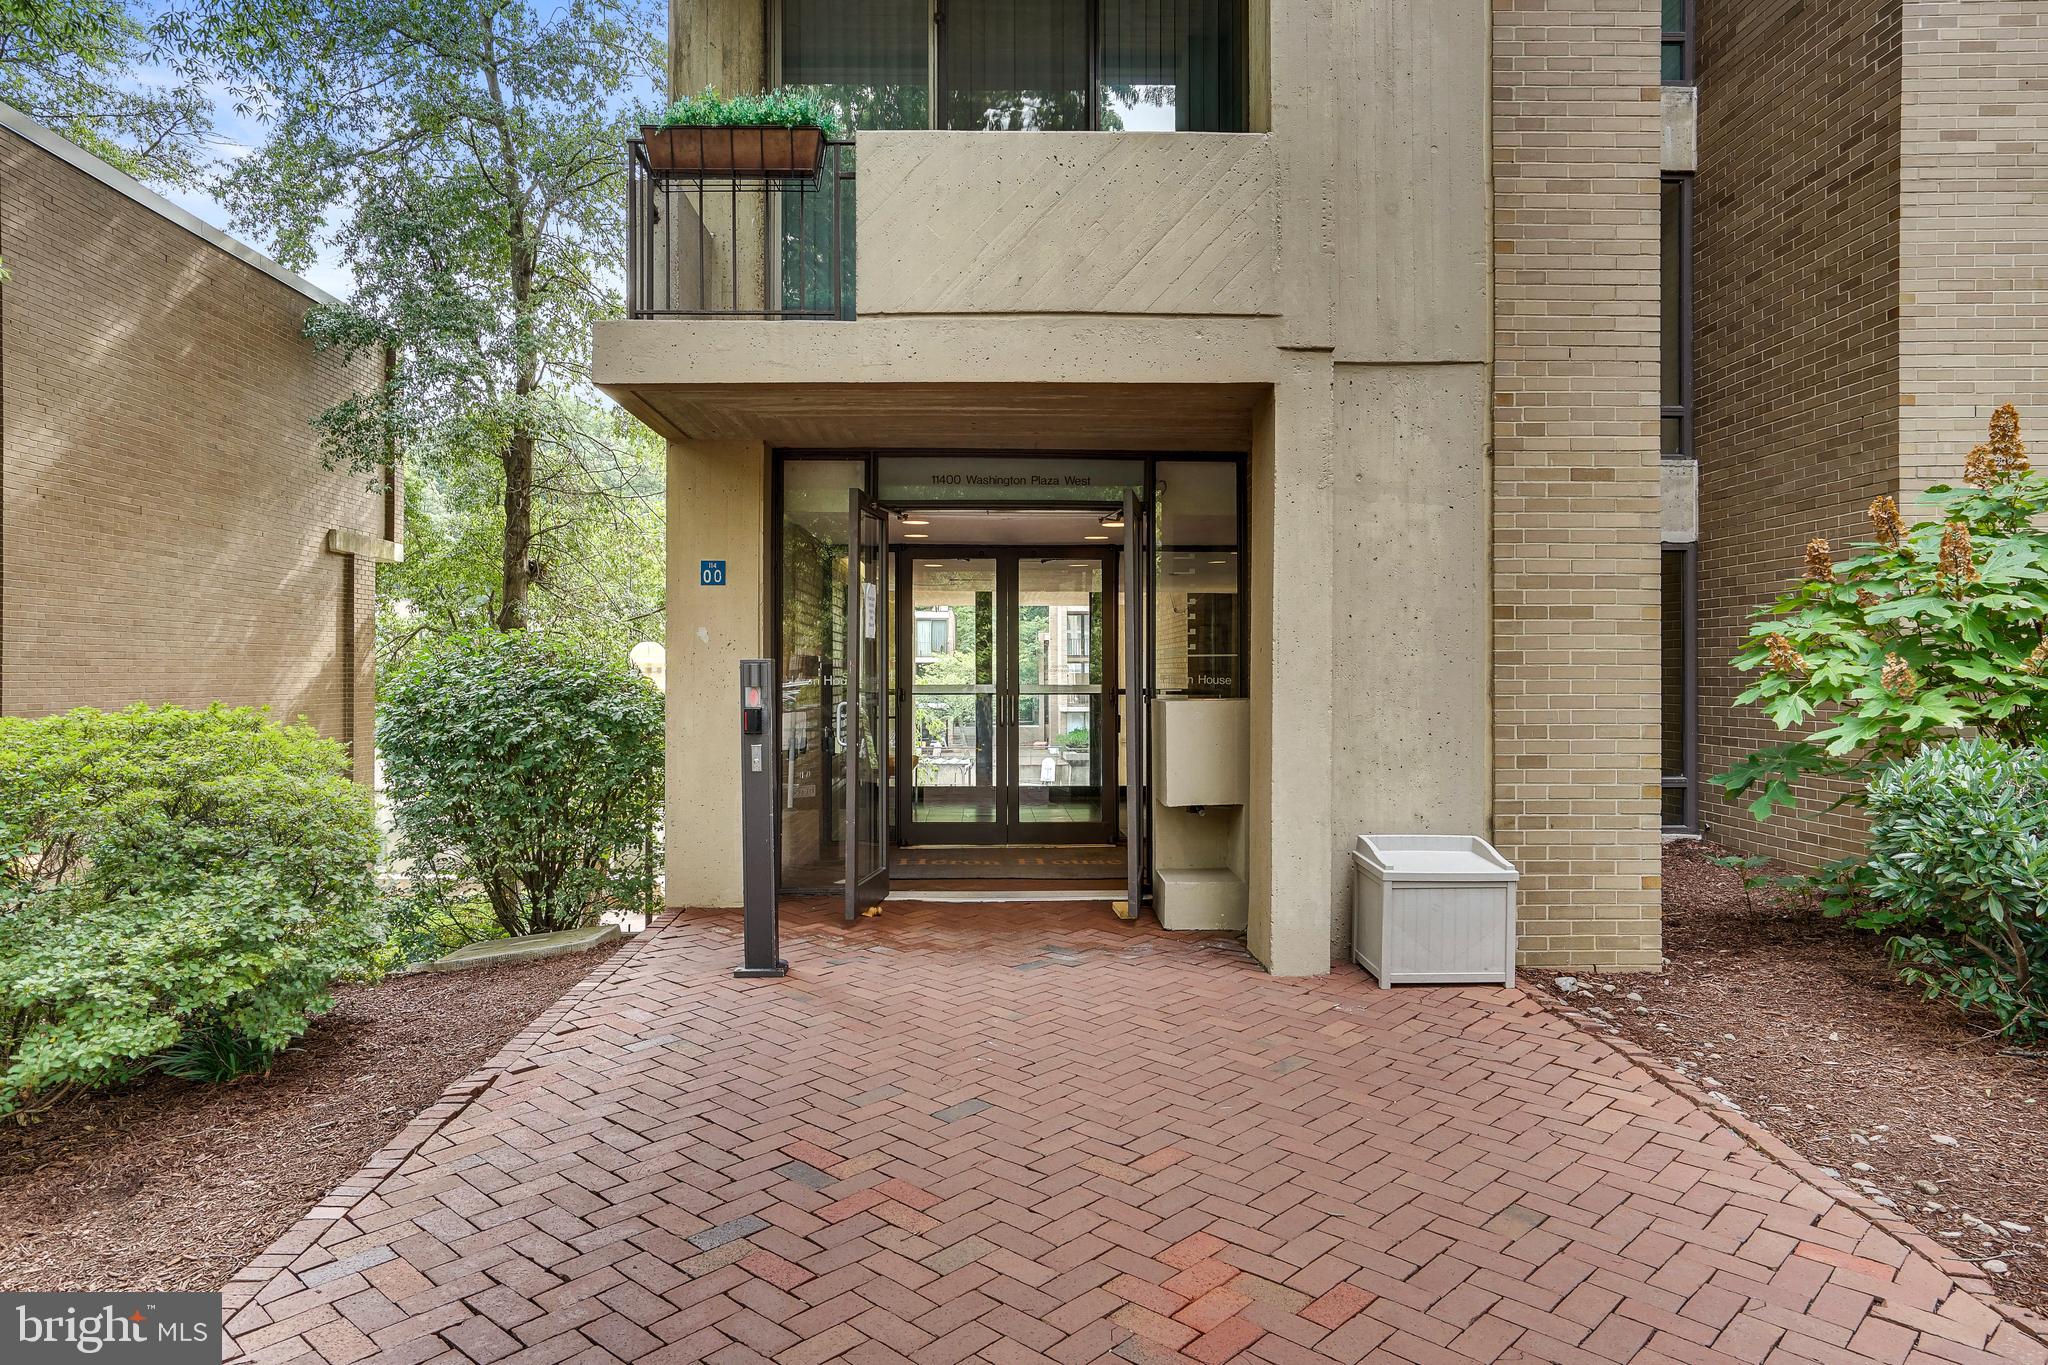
[915,535]
[1095,537]
[1219,561]
[916,521]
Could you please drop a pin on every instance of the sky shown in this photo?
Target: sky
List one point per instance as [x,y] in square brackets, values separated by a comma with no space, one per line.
[238,135]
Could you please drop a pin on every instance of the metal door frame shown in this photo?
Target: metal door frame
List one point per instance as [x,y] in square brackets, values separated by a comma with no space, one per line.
[862,892]
[1009,827]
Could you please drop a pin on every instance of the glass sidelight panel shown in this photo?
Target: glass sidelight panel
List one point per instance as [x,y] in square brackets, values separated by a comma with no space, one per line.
[951,609]
[1198,646]
[812,575]
[1059,733]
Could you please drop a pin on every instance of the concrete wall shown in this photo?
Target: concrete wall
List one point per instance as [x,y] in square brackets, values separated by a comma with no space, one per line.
[164,514]
[1797,291]
[1066,223]
[718,501]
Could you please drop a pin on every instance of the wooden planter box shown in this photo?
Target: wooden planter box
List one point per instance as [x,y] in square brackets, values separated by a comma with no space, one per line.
[735,152]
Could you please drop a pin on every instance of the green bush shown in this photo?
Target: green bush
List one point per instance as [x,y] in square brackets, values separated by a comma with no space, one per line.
[1917,635]
[426,922]
[788,107]
[525,773]
[1958,877]
[171,880]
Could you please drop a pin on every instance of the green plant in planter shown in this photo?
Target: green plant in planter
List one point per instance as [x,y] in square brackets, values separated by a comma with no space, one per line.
[1918,635]
[788,107]
[1958,878]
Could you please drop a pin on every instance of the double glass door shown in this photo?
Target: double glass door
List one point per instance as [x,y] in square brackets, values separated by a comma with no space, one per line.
[1006,723]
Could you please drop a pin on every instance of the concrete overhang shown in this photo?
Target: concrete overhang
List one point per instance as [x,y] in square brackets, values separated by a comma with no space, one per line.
[1000,382]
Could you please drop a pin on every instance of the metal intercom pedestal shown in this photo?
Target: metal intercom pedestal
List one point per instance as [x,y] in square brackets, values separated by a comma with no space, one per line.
[760,759]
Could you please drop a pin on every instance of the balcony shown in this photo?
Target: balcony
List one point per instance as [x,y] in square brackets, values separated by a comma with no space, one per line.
[965,224]
[713,245]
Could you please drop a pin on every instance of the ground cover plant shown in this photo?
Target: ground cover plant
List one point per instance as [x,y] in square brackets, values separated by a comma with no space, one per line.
[178,889]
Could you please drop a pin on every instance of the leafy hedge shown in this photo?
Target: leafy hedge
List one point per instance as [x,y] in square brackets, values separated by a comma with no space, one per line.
[1958,877]
[524,772]
[177,888]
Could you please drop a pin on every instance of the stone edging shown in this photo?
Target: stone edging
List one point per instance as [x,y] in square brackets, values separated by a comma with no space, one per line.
[339,1202]
[1768,1144]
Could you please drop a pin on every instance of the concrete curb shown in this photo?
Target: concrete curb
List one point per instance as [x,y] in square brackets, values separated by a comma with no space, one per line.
[243,1287]
[1766,1143]
[495,952]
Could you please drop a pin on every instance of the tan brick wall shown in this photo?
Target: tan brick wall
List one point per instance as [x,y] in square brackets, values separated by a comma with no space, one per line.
[1973,232]
[1576,127]
[165,509]
[1795,266]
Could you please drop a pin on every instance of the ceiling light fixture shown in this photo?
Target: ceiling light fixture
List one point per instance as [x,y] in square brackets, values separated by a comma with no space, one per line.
[916,521]
[915,535]
[1095,537]
[1114,521]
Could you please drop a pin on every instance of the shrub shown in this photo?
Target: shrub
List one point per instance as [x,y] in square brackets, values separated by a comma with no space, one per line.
[788,107]
[525,773]
[426,922]
[1918,635]
[1958,877]
[171,880]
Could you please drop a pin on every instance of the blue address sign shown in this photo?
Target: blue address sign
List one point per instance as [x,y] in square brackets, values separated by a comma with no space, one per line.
[711,573]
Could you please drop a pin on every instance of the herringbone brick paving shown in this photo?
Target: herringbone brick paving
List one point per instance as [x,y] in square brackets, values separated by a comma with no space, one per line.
[1006,1134]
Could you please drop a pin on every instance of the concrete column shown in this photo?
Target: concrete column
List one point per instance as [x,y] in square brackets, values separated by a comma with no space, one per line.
[717,42]
[1293,439]
[717,509]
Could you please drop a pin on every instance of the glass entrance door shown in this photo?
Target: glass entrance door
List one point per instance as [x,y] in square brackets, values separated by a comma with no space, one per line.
[1005,703]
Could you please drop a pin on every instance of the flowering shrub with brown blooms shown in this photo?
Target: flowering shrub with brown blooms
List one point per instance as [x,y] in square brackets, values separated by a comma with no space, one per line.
[1916,635]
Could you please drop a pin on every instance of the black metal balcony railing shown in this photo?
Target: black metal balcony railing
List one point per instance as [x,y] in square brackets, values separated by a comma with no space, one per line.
[715,244]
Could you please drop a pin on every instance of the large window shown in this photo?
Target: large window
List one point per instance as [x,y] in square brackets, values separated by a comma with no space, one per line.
[1677,329]
[1023,65]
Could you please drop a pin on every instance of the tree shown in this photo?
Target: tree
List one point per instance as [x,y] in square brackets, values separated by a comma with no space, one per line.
[1919,635]
[602,584]
[129,86]
[466,161]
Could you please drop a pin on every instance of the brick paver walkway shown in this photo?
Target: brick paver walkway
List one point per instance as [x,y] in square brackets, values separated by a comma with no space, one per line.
[1019,1135]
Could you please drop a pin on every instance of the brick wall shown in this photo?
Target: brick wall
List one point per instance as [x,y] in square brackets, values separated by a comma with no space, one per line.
[1796,282]
[1576,128]
[1973,248]
[165,511]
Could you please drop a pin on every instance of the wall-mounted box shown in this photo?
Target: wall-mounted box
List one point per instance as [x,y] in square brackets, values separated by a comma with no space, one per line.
[1432,908]
[1201,751]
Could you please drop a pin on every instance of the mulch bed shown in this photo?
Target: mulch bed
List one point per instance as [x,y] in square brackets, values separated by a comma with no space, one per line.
[174,1186]
[1802,1023]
